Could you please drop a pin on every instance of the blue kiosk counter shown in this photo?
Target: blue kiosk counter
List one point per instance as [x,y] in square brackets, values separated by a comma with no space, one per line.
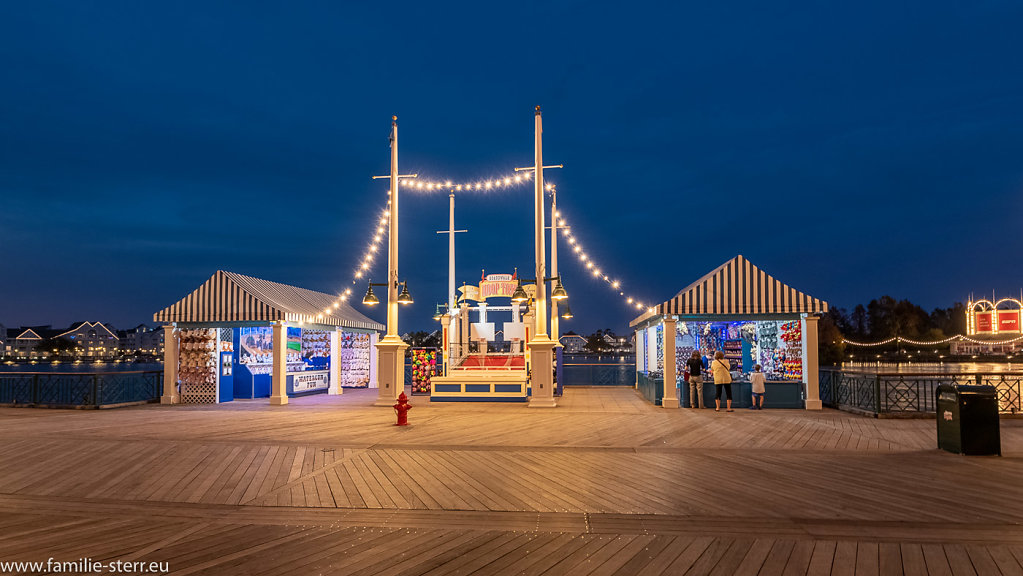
[241,337]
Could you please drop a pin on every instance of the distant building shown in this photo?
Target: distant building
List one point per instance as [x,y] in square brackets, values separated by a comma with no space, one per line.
[93,339]
[142,339]
[3,341]
[23,342]
[573,343]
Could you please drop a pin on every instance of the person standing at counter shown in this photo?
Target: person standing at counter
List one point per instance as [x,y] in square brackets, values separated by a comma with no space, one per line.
[695,364]
[722,379]
[757,381]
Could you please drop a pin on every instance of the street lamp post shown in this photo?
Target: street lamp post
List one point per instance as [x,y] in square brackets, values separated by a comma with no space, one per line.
[391,349]
[541,346]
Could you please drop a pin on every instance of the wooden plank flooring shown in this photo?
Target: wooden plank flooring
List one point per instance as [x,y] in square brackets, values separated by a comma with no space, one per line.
[605,484]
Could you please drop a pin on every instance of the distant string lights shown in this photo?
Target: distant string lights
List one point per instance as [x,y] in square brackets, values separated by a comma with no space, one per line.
[918,343]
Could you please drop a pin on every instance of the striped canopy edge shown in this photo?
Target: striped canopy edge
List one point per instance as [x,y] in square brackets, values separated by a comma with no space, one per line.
[737,287]
[232,297]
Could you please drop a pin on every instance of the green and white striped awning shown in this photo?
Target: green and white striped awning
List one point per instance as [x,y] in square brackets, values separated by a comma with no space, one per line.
[739,288]
[231,297]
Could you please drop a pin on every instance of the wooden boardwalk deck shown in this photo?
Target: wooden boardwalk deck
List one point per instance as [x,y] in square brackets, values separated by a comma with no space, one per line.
[605,484]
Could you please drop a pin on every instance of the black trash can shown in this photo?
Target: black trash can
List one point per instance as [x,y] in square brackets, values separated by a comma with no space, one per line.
[968,420]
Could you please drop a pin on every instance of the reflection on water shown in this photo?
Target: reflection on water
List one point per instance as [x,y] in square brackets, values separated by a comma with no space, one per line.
[934,367]
[86,367]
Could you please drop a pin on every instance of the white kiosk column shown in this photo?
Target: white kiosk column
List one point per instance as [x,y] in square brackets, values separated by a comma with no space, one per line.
[670,399]
[811,374]
[279,377]
[335,363]
[170,366]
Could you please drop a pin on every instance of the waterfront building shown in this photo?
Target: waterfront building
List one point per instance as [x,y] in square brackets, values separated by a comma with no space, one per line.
[24,342]
[93,339]
[573,343]
[142,339]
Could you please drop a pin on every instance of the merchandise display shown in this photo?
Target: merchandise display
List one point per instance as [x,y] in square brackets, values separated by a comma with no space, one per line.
[354,352]
[256,349]
[660,348]
[775,345]
[424,367]
[791,354]
[197,365]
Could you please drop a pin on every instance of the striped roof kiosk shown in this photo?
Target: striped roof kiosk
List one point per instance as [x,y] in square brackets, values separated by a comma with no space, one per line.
[749,315]
[241,337]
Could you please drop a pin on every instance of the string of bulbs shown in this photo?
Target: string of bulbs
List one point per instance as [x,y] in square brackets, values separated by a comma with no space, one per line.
[918,343]
[592,267]
[480,185]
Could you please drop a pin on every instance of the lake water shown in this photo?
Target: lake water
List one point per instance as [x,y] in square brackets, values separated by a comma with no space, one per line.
[82,367]
[934,367]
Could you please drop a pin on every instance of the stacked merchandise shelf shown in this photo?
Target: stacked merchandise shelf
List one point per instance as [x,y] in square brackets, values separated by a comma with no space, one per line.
[315,344]
[355,359]
[733,353]
[197,366]
[791,354]
[424,367]
[660,348]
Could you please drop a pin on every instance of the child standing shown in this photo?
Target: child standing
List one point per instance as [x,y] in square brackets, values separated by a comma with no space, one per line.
[757,380]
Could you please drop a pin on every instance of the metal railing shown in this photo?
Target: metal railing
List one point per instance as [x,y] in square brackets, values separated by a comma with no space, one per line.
[599,374]
[909,393]
[79,389]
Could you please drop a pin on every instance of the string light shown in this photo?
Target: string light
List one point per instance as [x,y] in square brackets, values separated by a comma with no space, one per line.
[595,270]
[919,343]
[445,185]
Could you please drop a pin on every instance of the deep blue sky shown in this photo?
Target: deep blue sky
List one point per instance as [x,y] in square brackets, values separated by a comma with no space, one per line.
[852,150]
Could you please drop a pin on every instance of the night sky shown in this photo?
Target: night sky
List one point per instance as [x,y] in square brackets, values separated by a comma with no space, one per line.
[850,149]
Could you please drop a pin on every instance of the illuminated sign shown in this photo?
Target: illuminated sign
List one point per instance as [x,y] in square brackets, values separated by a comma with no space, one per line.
[984,322]
[1001,317]
[1008,321]
[491,286]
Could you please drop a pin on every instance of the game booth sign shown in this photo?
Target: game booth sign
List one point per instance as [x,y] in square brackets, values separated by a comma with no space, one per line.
[752,318]
[241,337]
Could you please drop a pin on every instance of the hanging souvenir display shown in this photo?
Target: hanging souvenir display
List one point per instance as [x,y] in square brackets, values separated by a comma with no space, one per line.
[354,352]
[197,366]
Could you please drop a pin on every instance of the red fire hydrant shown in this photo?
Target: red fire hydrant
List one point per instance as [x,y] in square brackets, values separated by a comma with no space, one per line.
[401,409]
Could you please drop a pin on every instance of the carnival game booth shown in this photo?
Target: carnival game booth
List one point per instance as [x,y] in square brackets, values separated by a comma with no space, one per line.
[241,337]
[750,316]
[486,361]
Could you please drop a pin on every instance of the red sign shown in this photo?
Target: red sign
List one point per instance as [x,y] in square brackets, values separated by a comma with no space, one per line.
[984,321]
[1008,320]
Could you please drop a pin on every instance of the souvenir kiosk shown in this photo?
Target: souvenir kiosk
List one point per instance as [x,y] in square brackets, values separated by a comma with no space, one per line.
[241,337]
[750,316]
